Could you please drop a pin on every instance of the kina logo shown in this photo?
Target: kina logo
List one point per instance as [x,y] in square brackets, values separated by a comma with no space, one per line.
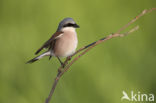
[138,96]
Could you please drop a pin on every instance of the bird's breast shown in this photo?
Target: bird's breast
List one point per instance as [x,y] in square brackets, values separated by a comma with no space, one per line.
[66,44]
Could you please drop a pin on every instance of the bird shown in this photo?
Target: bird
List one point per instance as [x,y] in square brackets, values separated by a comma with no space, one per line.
[62,43]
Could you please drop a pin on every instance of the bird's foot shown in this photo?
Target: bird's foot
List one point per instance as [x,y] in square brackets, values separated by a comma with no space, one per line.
[69,58]
[60,70]
[63,65]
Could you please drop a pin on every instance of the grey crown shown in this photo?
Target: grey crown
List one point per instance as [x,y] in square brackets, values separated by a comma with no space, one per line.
[64,22]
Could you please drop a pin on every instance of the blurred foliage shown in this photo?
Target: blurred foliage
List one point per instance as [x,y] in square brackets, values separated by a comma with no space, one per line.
[98,77]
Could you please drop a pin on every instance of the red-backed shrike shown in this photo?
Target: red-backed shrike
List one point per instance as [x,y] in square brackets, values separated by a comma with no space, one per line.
[63,42]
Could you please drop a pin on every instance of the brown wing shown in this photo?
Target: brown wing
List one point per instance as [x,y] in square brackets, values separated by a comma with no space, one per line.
[49,42]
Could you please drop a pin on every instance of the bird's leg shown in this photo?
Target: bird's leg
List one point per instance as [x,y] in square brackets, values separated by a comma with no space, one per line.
[50,57]
[69,57]
[62,64]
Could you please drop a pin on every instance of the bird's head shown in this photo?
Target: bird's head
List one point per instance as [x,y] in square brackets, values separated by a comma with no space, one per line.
[67,23]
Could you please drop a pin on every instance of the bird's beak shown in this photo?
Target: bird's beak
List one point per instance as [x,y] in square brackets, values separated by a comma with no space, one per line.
[76,26]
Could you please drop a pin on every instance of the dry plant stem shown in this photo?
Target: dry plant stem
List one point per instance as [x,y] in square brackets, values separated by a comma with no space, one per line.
[96,43]
[62,70]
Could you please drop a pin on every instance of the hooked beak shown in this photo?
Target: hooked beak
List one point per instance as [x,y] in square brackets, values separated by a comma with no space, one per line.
[76,26]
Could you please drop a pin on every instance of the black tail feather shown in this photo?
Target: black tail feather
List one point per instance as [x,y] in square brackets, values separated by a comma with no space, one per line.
[32,60]
[47,53]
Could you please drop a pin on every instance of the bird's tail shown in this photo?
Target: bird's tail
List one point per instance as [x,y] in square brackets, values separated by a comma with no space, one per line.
[39,57]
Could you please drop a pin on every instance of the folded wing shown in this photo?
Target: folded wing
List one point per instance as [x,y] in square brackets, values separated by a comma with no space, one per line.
[50,42]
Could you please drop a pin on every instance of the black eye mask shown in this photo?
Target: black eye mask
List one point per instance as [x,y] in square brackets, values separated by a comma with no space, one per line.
[71,25]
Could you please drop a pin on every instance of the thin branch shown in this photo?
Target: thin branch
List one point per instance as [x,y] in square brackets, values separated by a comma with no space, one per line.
[62,70]
[136,18]
[96,43]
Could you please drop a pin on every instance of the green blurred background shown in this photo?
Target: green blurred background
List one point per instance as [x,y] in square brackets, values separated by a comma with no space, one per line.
[101,75]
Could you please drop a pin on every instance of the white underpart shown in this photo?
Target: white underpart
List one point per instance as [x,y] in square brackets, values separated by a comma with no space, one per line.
[69,47]
[75,42]
[68,29]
